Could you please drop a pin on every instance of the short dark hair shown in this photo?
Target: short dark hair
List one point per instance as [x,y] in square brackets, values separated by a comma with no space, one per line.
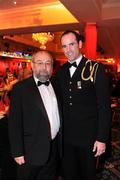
[77,35]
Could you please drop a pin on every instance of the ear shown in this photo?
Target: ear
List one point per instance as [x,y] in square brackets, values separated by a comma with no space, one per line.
[80,44]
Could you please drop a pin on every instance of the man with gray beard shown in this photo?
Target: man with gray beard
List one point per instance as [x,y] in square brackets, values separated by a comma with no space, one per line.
[34,121]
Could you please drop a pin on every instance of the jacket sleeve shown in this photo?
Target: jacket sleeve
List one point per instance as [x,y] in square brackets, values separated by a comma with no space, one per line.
[103,103]
[15,123]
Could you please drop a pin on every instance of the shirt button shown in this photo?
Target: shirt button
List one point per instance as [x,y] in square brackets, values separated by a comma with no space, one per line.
[70,82]
[70,104]
[69,89]
[70,97]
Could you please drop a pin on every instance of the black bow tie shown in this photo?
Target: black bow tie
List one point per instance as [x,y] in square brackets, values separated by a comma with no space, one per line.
[72,64]
[46,83]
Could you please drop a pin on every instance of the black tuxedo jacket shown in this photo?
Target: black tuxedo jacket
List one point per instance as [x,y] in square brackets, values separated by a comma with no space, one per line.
[29,128]
[86,104]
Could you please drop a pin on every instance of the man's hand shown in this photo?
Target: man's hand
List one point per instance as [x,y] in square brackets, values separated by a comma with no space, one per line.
[20,160]
[99,147]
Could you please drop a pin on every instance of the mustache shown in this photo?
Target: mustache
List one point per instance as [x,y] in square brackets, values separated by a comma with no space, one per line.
[43,75]
[43,72]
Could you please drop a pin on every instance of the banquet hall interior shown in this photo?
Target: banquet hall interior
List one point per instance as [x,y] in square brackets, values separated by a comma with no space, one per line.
[27,26]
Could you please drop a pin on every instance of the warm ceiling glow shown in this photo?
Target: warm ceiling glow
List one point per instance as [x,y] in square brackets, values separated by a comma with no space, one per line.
[43,38]
[36,15]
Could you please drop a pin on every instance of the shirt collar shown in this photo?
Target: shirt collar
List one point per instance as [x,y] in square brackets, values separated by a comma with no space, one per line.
[77,60]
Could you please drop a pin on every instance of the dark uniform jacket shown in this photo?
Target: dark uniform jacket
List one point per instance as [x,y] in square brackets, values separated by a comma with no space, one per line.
[86,103]
[29,128]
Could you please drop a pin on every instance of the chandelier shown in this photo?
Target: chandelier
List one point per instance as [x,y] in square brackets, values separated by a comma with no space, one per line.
[43,38]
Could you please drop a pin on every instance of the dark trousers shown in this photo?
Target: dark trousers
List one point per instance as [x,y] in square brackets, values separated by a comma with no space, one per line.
[79,163]
[45,172]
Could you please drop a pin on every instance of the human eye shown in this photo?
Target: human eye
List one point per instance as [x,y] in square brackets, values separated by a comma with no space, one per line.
[48,63]
[38,62]
[72,44]
[63,46]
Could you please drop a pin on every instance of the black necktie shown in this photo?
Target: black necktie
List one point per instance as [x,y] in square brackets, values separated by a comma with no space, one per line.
[46,83]
[72,64]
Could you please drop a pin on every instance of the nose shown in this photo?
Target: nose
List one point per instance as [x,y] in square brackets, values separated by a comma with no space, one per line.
[68,48]
[44,65]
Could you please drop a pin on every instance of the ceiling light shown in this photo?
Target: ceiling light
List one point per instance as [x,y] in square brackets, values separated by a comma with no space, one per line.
[43,38]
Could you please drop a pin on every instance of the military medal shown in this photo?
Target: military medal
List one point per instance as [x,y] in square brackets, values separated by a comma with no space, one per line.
[79,85]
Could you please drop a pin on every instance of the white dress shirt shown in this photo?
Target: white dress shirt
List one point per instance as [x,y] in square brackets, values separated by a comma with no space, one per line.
[72,68]
[50,102]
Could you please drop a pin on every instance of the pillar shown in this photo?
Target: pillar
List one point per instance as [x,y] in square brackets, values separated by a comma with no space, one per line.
[90,40]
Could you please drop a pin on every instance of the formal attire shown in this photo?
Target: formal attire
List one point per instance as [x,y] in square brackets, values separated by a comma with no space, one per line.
[31,128]
[86,109]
